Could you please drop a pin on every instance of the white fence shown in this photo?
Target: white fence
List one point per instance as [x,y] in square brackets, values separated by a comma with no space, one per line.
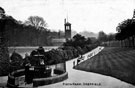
[88,55]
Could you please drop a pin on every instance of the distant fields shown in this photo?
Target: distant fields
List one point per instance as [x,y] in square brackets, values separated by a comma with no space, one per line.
[112,61]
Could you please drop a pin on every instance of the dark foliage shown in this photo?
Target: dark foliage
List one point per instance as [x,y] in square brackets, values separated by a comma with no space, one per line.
[21,34]
[78,41]
[16,61]
[71,49]
[126,31]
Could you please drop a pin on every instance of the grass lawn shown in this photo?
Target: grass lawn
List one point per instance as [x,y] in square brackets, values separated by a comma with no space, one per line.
[112,61]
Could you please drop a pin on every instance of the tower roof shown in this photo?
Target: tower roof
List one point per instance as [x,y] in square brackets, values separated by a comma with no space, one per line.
[67,23]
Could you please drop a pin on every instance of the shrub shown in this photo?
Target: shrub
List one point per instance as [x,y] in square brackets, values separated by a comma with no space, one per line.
[16,61]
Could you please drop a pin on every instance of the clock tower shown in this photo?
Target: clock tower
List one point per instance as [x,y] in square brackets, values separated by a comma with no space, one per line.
[67,27]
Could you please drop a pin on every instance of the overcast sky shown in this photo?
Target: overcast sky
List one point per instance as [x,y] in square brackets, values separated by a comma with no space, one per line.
[84,15]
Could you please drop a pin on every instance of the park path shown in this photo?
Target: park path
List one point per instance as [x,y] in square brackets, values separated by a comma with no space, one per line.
[79,77]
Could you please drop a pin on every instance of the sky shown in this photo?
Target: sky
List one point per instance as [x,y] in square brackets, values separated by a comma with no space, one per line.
[84,15]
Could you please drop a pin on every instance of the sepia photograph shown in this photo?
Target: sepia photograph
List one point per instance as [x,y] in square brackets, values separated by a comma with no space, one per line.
[67,43]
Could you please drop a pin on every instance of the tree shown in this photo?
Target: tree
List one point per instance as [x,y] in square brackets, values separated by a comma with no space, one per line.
[126,30]
[4,55]
[89,41]
[79,40]
[22,34]
[16,59]
[38,23]
[78,37]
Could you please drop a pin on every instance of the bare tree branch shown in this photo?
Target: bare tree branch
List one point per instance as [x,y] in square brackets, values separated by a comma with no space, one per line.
[36,21]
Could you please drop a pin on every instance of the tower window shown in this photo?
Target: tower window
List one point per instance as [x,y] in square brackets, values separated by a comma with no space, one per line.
[67,28]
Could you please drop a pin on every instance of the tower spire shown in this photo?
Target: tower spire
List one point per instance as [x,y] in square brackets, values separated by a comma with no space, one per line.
[67,17]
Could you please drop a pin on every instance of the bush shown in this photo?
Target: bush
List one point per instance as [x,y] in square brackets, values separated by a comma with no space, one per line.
[4,68]
[62,54]
[16,61]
